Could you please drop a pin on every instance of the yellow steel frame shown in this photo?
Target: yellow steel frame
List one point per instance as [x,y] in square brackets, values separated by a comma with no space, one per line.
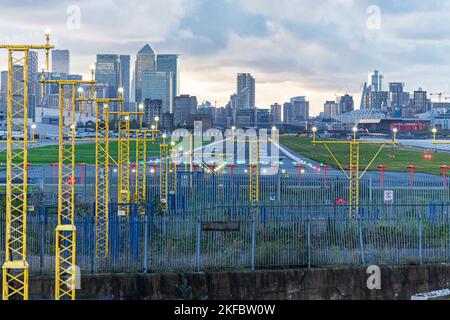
[123,196]
[141,171]
[354,175]
[164,174]
[140,194]
[102,158]
[65,246]
[15,268]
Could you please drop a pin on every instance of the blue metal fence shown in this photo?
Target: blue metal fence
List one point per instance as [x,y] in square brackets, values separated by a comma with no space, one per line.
[228,237]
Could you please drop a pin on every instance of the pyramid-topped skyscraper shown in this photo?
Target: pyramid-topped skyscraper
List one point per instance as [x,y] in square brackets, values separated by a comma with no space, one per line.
[145,61]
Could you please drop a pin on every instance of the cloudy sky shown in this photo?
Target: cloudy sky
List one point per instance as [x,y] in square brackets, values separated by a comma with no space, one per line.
[292,47]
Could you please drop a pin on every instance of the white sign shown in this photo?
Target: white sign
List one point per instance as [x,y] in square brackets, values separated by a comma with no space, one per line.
[121,213]
[389,197]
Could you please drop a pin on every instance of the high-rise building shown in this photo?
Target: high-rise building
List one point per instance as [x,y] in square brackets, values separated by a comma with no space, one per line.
[3,93]
[420,103]
[107,71]
[331,109]
[376,100]
[61,61]
[125,78]
[288,112]
[169,63]
[152,109]
[245,91]
[397,97]
[346,104]
[158,85]
[376,80]
[145,61]
[300,109]
[33,83]
[275,111]
[183,106]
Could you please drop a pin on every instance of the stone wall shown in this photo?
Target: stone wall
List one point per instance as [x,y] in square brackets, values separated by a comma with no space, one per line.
[295,284]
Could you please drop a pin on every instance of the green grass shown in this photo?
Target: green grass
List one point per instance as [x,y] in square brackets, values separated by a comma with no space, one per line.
[403,156]
[85,153]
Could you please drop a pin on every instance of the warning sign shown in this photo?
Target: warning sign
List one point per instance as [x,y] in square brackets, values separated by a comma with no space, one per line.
[389,197]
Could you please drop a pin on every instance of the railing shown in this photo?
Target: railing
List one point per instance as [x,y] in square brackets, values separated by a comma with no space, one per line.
[224,238]
[198,190]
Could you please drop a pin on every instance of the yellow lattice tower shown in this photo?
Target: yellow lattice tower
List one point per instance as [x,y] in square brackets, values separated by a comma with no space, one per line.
[172,171]
[15,269]
[65,246]
[123,196]
[253,177]
[140,194]
[102,158]
[254,168]
[354,175]
[164,162]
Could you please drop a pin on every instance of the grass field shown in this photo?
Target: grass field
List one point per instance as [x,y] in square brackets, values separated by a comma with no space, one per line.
[397,158]
[85,153]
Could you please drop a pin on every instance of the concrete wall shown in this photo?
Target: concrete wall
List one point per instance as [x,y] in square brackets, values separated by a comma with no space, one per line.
[295,284]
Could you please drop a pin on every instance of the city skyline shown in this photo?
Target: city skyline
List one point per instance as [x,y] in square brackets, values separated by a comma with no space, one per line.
[317,56]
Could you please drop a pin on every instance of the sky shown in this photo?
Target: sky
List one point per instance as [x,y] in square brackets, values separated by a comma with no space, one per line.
[318,49]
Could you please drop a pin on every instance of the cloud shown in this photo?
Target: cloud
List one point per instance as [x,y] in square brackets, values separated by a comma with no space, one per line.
[293,47]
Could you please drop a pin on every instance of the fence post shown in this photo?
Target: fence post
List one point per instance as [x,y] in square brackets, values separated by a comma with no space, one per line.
[253,244]
[42,227]
[309,243]
[93,253]
[197,251]
[361,241]
[420,239]
[145,243]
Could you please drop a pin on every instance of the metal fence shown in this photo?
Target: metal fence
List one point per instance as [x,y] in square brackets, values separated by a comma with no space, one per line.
[229,237]
[200,189]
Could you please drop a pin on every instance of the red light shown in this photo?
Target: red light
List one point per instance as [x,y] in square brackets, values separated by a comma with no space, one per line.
[428,156]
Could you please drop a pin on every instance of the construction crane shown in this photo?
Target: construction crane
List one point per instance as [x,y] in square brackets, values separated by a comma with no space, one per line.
[65,245]
[354,155]
[15,270]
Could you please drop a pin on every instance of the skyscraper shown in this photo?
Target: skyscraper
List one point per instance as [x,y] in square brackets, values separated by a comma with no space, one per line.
[300,109]
[331,109]
[397,97]
[158,85]
[33,83]
[183,106]
[376,81]
[275,111]
[245,91]
[346,103]
[420,101]
[145,61]
[125,79]
[107,71]
[169,63]
[61,61]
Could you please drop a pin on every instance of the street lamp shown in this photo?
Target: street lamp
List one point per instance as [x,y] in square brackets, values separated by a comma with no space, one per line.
[314,131]
[33,128]
[355,130]
[395,130]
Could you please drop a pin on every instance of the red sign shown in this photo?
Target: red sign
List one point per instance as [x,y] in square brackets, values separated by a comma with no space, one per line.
[340,202]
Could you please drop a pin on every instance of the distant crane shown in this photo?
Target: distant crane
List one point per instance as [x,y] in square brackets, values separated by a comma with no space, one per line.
[440,95]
